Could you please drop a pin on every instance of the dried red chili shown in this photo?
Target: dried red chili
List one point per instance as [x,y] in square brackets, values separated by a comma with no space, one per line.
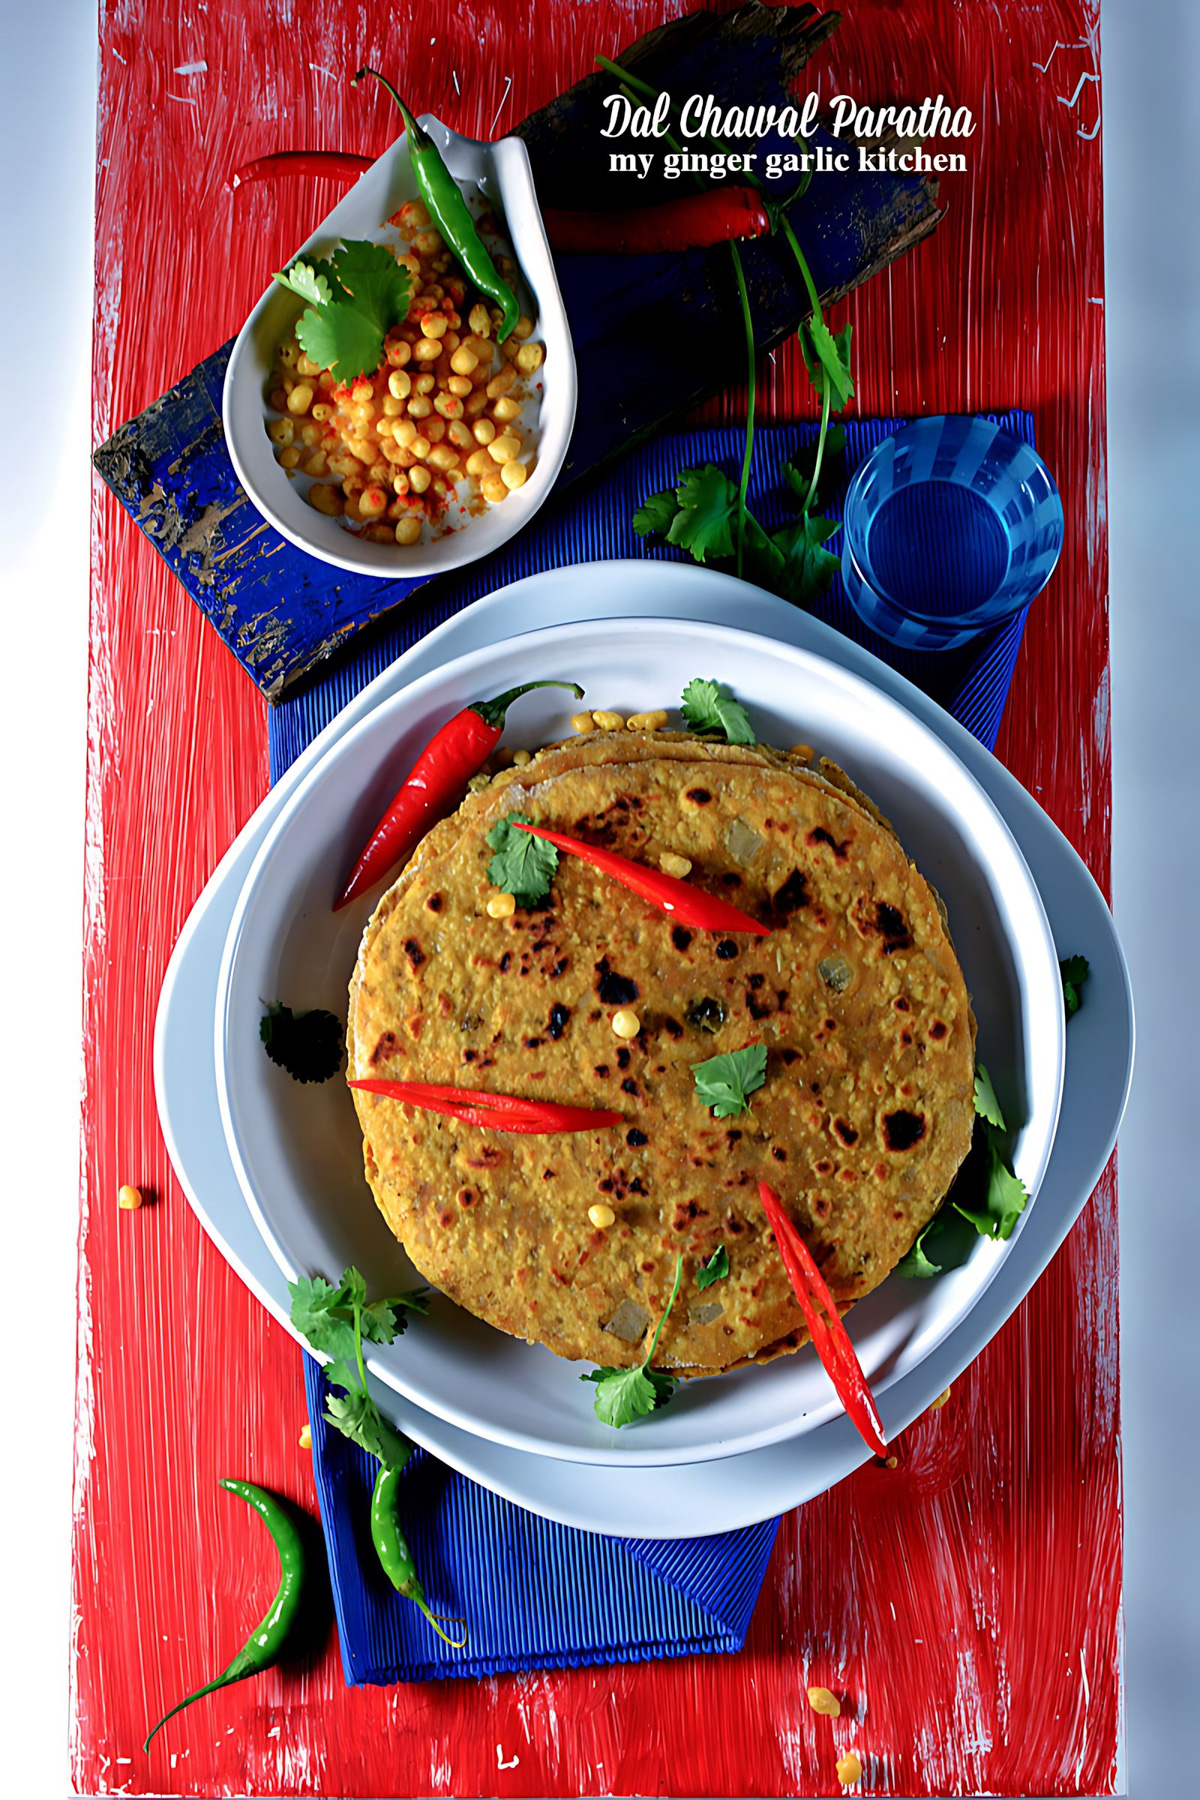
[435,784]
[690,223]
[687,904]
[342,165]
[830,1337]
[494,1112]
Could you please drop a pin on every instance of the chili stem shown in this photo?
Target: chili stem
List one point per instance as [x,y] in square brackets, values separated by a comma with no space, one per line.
[663,1320]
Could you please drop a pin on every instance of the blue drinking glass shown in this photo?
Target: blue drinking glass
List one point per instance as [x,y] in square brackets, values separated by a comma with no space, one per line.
[951,526]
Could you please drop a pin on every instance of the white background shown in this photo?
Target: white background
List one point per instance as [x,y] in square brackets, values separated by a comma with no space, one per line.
[1151,70]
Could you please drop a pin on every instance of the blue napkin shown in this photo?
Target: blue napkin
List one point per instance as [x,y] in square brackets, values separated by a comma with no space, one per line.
[540,1595]
[536,1595]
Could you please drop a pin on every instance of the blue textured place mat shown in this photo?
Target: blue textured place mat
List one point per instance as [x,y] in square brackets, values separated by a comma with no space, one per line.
[536,1595]
[540,1595]
[597,522]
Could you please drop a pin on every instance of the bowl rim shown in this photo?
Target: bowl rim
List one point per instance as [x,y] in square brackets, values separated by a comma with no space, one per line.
[793,1429]
[507,176]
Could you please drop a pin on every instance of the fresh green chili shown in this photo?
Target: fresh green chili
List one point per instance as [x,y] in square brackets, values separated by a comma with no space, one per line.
[266,1641]
[392,1549]
[450,212]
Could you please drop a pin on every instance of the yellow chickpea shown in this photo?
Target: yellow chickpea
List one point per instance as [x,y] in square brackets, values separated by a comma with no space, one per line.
[278,399]
[479,320]
[289,459]
[523,328]
[479,463]
[530,357]
[509,349]
[476,404]
[325,499]
[408,530]
[342,464]
[300,398]
[399,385]
[420,448]
[434,325]
[459,386]
[372,502]
[419,479]
[464,360]
[306,366]
[500,384]
[314,463]
[281,432]
[493,490]
[359,447]
[444,456]
[449,405]
[506,410]
[480,349]
[428,242]
[310,436]
[512,474]
[322,411]
[458,435]
[504,448]
[420,407]
[435,430]
[398,353]
[414,215]
[483,431]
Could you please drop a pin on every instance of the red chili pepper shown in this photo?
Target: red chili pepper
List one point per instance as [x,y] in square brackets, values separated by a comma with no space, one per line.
[689,223]
[830,1337]
[341,164]
[494,1112]
[435,784]
[687,904]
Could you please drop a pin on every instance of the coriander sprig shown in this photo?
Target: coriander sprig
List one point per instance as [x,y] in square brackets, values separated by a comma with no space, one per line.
[523,865]
[946,1241]
[725,1083]
[623,1395]
[711,706]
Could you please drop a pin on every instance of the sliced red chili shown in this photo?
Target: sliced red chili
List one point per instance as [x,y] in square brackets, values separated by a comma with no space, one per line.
[494,1112]
[689,905]
[341,164]
[435,784]
[830,1337]
[690,223]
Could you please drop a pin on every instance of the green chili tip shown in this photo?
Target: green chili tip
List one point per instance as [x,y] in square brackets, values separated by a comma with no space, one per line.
[395,1557]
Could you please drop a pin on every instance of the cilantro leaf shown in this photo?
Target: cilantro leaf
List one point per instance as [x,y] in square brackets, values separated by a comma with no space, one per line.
[523,866]
[1074,971]
[715,1269]
[807,568]
[308,1045]
[710,706]
[313,280]
[1004,1200]
[656,514]
[623,1395]
[354,300]
[827,359]
[699,516]
[986,1103]
[358,1418]
[945,1243]
[725,1082]
[798,472]
[315,1315]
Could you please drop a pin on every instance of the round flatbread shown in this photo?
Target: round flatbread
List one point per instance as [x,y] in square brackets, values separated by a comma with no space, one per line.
[865,1114]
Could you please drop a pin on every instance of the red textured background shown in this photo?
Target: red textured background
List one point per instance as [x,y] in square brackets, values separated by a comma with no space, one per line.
[967,1603]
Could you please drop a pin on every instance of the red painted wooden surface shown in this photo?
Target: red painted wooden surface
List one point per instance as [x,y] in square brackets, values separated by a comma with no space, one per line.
[967,1603]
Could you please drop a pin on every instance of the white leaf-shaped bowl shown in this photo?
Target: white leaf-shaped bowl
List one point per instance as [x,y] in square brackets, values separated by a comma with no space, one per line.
[500,176]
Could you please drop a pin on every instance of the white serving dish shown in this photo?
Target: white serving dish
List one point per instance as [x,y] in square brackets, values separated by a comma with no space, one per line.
[499,172]
[297,1150]
[713,1497]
